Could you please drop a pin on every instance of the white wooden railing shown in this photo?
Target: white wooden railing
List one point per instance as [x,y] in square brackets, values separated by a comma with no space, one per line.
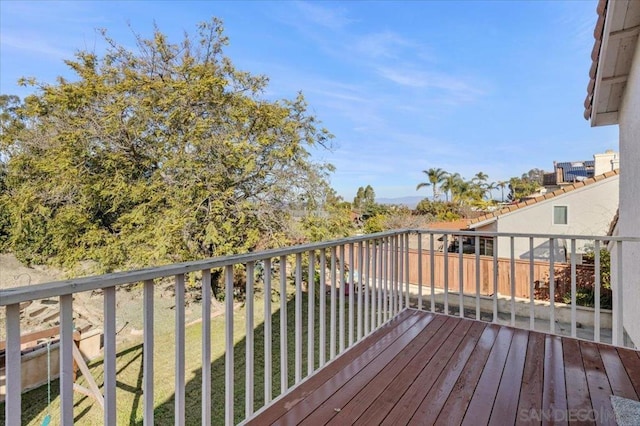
[390,269]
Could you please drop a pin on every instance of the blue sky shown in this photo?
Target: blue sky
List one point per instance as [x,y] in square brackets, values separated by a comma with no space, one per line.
[464,86]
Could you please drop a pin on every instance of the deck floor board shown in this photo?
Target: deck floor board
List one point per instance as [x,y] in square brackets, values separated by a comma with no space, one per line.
[425,368]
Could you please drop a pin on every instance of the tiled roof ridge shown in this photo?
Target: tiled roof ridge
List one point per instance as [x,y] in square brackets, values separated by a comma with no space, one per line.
[595,57]
[557,192]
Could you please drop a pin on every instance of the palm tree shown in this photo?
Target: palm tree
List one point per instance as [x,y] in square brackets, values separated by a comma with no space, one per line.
[502,185]
[490,187]
[450,183]
[434,177]
[480,177]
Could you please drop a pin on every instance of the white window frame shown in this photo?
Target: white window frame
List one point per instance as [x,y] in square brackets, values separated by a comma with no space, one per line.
[553,215]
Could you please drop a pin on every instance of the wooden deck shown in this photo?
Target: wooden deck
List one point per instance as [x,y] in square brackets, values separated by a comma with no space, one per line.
[425,368]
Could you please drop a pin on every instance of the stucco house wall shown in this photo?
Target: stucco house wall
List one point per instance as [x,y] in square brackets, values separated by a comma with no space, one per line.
[590,211]
[629,220]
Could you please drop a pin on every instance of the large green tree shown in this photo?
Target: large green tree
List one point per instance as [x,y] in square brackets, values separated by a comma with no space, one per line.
[164,152]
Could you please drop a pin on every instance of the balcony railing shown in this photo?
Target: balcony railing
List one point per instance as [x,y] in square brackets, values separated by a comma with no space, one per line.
[349,288]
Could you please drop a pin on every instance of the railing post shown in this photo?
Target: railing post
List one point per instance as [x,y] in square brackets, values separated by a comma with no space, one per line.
[461,276]
[341,304]
[495,280]
[206,346]
[110,355]
[432,259]
[322,344]
[445,243]
[66,359]
[419,271]
[367,287]
[351,285]
[552,286]
[400,271]
[311,307]
[268,331]
[180,351]
[13,397]
[298,320]
[596,285]
[392,273]
[386,294]
[249,344]
[406,269]
[477,252]
[375,290]
[573,288]
[228,362]
[332,319]
[284,349]
[359,291]
[532,315]
[618,288]
[512,279]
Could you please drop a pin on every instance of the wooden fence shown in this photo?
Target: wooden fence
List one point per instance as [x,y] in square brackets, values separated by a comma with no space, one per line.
[562,274]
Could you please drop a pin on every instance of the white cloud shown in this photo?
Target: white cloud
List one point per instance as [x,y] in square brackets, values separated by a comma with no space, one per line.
[34,44]
[332,18]
[383,44]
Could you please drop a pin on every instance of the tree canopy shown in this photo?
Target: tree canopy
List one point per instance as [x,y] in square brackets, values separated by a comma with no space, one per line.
[161,153]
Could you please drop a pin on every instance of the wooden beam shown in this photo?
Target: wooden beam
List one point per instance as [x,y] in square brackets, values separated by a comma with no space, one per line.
[615,79]
[93,387]
[606,118]
[38,335]
[627,32]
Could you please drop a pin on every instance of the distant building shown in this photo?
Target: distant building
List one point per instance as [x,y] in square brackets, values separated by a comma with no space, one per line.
[585,207]
[569,172]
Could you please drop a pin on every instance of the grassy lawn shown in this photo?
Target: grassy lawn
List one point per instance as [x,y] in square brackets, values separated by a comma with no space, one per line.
[129,371]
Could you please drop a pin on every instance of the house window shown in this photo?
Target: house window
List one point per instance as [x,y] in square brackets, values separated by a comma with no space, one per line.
[486,246]
[560,216]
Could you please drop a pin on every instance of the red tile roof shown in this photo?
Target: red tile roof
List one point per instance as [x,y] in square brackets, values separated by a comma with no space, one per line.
[563,190]
[595,56]
[456,225]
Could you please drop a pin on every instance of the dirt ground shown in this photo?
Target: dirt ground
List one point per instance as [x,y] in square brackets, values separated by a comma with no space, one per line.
[88,306]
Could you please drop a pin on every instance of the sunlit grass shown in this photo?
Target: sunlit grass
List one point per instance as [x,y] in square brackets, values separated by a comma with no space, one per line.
[129,367]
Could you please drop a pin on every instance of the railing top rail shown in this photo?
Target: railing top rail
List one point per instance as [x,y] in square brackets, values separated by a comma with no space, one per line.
[608,238]
[14,295]
[58,288]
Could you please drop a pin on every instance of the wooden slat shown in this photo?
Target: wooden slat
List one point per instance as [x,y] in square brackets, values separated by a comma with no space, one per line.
[618,377]
[425,368]
[378,408]
[361,402]
[506,403]
[631,361]
[530,403]
[370,347]
[578,400]
[554,395]
[323,399]
[413,397]
[479,409]
[599,387]
[457,403]
[433,402]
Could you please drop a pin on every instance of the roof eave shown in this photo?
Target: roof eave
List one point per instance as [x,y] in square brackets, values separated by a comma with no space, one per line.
[602,119]
[483,223]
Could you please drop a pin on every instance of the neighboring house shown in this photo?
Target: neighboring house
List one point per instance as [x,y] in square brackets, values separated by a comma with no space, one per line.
[586,207]
[566,173]
[614,98]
